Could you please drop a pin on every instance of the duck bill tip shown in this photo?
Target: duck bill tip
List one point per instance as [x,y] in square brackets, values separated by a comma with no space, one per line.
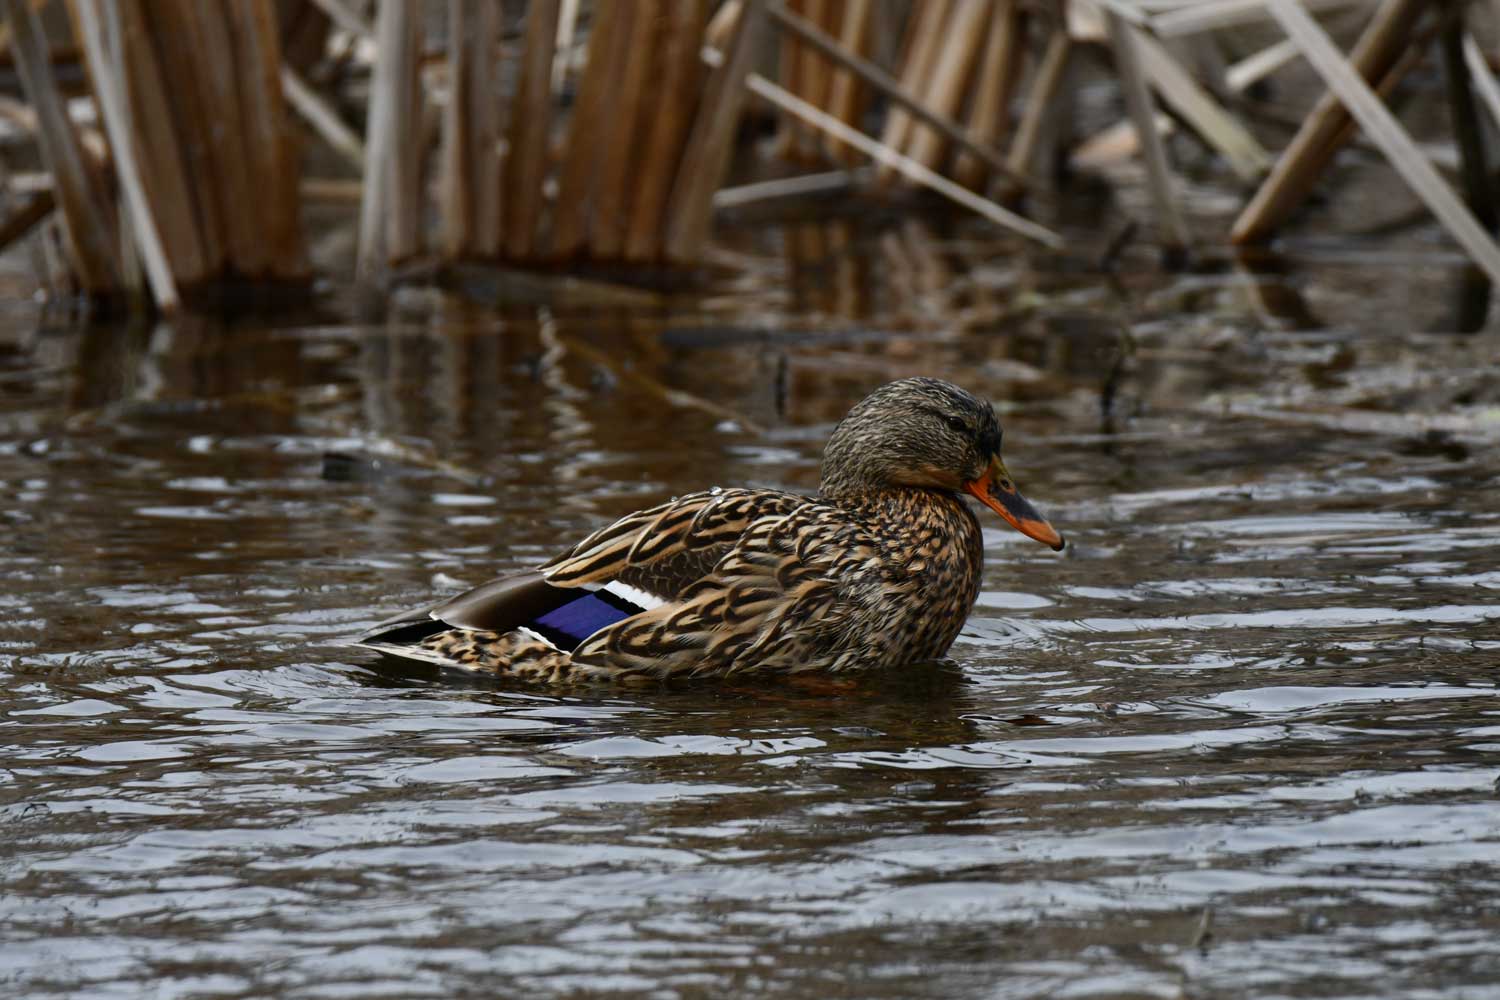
[996,491]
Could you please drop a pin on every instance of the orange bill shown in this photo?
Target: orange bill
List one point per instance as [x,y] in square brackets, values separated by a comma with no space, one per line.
[998,492]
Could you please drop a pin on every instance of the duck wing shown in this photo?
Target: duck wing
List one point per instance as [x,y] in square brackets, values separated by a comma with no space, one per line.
[498,606]
[638,564]
[667,548]
[778,581]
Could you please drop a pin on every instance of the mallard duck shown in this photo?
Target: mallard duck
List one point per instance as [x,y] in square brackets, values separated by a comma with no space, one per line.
[880,568]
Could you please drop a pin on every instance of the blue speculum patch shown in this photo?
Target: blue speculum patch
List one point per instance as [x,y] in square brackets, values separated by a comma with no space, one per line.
[575,621]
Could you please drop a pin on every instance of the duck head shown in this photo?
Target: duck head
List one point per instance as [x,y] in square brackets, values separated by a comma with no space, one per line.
[928,434]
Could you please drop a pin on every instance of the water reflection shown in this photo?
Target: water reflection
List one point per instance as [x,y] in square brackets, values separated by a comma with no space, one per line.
[1246,732]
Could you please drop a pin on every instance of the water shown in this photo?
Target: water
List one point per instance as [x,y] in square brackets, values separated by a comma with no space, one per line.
[1242,739]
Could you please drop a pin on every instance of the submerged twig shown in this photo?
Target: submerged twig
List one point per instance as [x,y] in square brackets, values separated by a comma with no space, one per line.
[675,397]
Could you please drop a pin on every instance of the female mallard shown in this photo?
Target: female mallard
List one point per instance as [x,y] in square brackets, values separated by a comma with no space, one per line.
[880,568]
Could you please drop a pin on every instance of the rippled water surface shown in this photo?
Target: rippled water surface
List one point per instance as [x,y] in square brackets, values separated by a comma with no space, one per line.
[1241,739]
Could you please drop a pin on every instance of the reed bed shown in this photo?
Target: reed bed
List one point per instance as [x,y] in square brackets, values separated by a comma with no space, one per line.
[570,136]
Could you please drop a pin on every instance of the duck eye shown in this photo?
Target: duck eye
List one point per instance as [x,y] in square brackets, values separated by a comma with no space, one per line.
[957,424]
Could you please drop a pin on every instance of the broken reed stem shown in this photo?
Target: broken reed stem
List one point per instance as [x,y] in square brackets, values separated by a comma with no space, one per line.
[945,89]
[341,14]
[1302,162]
[1142,113]
[20,222]
[617,146]
[690,208]
[722,25]
[460,216]
[801,186]
[789,68]
[322,116]
[1254,68]
[279,251]
[847,92]
[380,138]
[109,93]
[472,127]
[816,76]
[1466,124]
[924,39]
[680,71]
[1383,129]
[1245,156]
[530,123]
[907,102]
[406,201]
[1483,77]
[895,161]
[1044,87]
[194,233]
[1195,17]
[575,185]
[87,211]
[567,29]
[989,113]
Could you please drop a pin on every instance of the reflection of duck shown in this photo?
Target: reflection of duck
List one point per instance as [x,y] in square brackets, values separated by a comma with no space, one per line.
[881,568]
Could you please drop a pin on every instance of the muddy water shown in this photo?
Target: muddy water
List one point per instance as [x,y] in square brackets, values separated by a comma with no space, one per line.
[1242,739]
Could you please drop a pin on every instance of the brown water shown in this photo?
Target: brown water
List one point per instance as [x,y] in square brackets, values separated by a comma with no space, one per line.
[1242,739]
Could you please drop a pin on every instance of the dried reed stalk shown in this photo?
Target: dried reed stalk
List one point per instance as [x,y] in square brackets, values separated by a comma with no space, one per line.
[108,80]
[699,173]
[789,69]
[924,38]
[22,220]
[1256,67]
[320,114]
[266,142]
[1197,17]
[86,208]
[950,77]
[676,86]
[471,132]
[567,28]
[487,125]
[1383,129]
[570,214]
[388,187]
[1138,101]
[618,148]
[1467,126]
[848,93]
[530,122]
[1483,77]
[881,81]
[197,148]
[205,115]
[722,25]
[151,111]
[1310,151]
[5,29]
[1000,70]
[341,14]
[896,161]
[815,74]
[1245,156]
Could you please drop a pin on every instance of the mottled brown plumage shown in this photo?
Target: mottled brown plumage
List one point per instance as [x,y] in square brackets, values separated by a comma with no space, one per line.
[881,568]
